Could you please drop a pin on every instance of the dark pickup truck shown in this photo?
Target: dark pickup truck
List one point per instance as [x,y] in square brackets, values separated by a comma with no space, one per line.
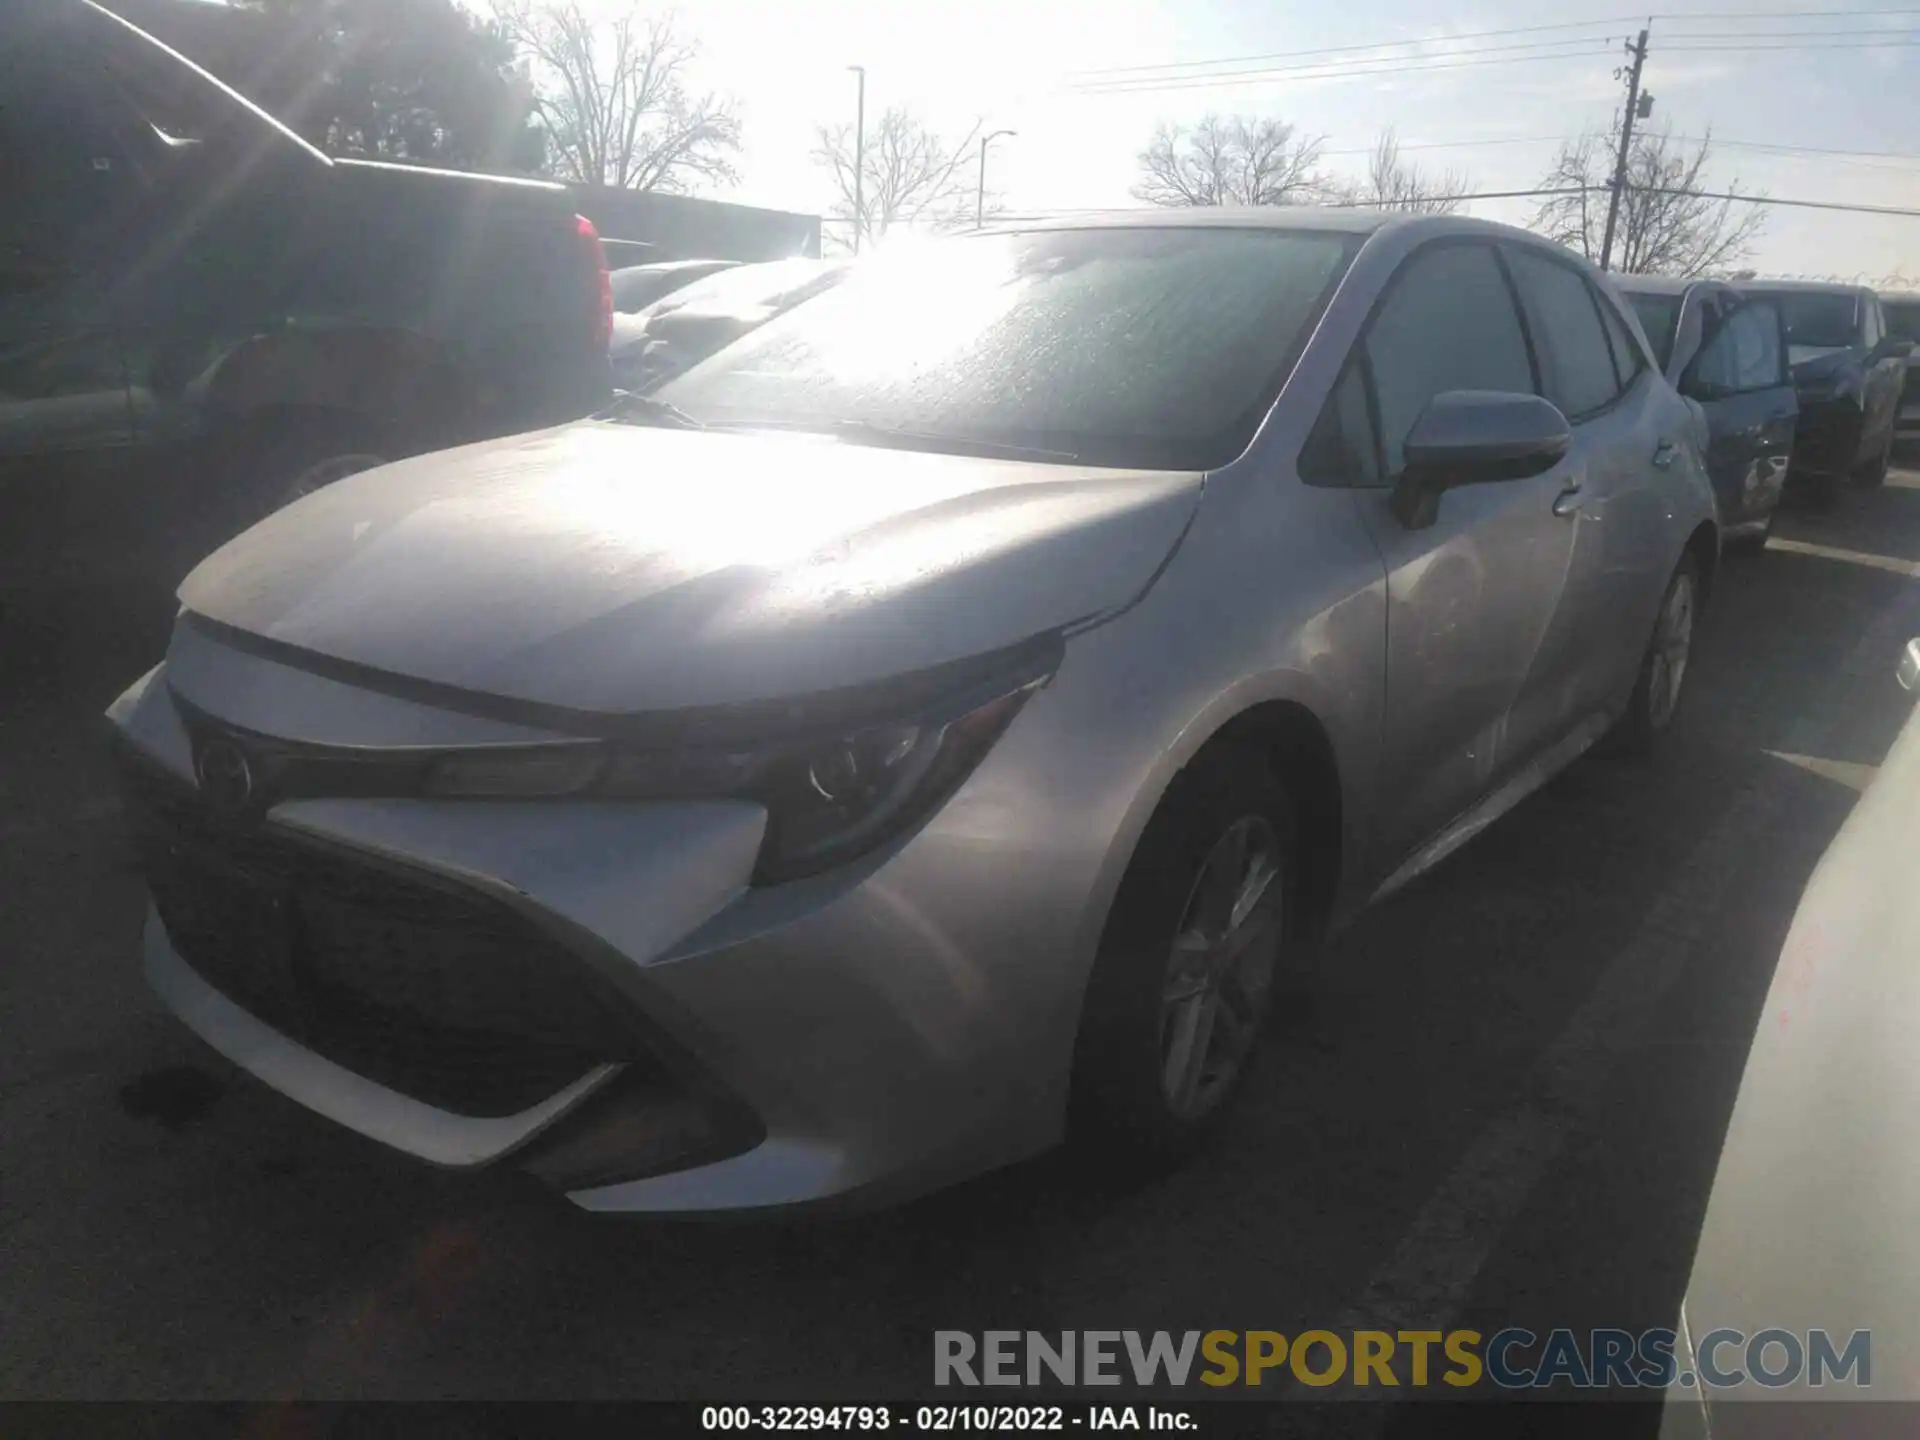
[202,316]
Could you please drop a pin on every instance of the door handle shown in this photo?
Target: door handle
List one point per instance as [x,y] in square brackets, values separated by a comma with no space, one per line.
[1567,502]
[1663,454]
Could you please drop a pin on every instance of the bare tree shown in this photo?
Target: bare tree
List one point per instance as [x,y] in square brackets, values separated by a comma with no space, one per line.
[615,99]
[1666,226]
[1394,184]
[1230,160]
[912,174]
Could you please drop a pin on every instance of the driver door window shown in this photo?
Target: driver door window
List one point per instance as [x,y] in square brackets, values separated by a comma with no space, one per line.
[1743,355]
[1448,323]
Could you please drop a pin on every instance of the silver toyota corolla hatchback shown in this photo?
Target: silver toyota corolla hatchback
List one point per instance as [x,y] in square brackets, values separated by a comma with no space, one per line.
[918,732]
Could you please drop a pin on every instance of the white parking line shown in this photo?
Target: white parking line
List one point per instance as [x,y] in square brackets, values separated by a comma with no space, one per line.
[1854,776]
[1432,1269]
[1428,1276]
[1890,563]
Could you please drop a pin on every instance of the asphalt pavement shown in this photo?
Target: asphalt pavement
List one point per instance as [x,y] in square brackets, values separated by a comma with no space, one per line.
[1500,1102]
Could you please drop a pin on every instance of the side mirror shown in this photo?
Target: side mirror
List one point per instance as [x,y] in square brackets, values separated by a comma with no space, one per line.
[1896,348]
[1475,437]
[1910,666]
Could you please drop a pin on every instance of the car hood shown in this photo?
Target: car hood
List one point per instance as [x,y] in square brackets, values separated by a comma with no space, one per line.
[620,569]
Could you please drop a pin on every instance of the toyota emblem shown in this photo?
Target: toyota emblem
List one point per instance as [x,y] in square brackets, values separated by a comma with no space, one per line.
[225,778]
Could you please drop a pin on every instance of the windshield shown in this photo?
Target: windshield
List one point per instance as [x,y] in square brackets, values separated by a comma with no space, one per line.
[1141,347]
[1903,319]
[1659,317]
[1815,319]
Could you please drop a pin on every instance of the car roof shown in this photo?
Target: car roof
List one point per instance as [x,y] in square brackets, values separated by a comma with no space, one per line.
[1900,297]
[1662,284]
[1811,287]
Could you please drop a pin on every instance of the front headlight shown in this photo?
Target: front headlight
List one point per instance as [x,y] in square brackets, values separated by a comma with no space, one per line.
[831,793]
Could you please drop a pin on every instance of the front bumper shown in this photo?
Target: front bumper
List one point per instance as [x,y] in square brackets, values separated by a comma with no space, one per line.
[863,1034]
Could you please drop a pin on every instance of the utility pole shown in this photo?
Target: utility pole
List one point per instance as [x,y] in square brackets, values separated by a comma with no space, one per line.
[1638,50]
[980,193]
[859,155]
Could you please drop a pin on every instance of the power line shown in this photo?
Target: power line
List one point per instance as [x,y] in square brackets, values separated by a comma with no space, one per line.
[1168,69]
[1335,71]
[1774,14]
[1458,144]
[1795,49]
[1852,208]
[1804,149]
[1538,191]
[1861,157]
[1822,34]
[1340,49]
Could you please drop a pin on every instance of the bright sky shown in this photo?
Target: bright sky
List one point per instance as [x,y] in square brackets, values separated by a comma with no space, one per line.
[1011,63]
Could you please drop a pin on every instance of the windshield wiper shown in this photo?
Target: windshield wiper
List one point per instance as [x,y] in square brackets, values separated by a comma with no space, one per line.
[861,432]
[630,408]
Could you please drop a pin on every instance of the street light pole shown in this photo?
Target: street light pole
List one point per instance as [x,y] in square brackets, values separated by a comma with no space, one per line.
[980,192]
[859,156]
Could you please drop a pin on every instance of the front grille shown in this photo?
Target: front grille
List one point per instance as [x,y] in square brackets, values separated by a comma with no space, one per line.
[419,985]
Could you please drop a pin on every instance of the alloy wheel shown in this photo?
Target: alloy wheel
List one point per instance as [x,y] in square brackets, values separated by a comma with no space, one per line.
[1220,971]
[1672,644]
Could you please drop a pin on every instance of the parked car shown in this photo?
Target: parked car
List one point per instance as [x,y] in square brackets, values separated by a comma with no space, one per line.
[1809,1226]
[1728,354]
[201,315]
[923,727]
[1903,323]
[1847,374]
[635,287]
[687,326]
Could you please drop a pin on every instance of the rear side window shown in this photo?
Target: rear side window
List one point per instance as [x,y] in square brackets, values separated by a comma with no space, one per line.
[1816,319]
[1564,315]
[1448,323]
[1870,322]
[1903,319]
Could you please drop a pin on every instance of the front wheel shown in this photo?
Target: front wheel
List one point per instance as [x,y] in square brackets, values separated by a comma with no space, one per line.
[1663,669]
[290,458]
[1750,543]
[1184,977]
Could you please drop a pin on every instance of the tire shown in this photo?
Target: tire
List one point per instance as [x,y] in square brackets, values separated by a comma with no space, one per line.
[1169,1029]
[1660,686]
[1873,474]
[1750,544]
[282,460]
